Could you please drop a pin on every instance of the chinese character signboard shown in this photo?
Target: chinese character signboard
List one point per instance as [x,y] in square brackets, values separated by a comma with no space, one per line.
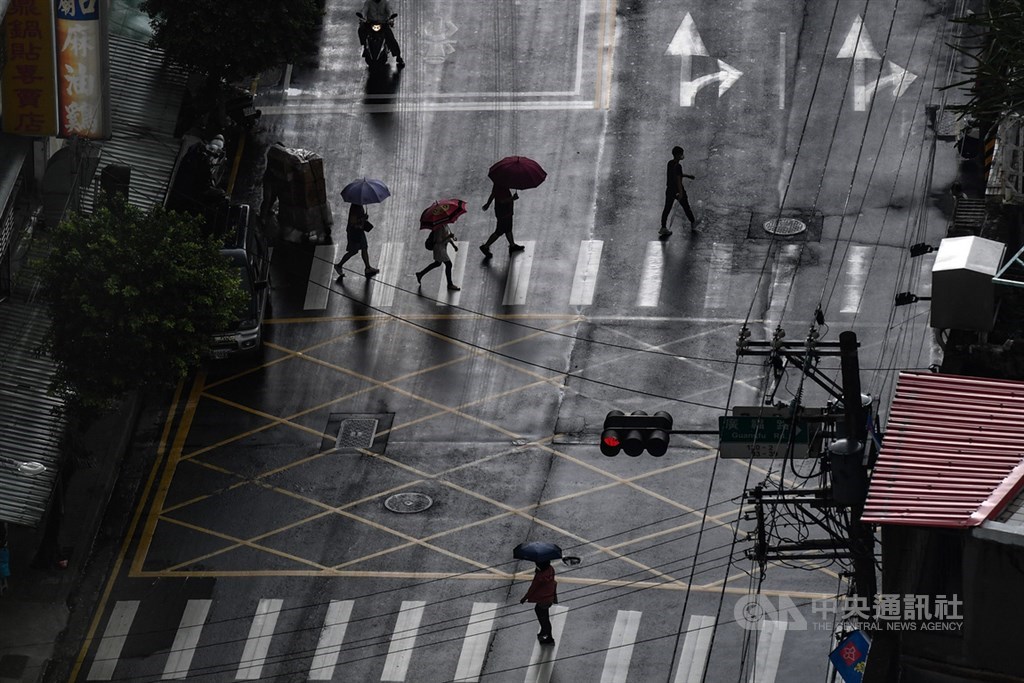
[83,109]
[851,656]
[29,86]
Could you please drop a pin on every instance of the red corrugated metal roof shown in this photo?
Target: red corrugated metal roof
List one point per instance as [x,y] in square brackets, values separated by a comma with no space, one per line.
[953,453]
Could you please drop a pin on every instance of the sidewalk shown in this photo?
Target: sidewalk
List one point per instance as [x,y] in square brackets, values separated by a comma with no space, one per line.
[36,606]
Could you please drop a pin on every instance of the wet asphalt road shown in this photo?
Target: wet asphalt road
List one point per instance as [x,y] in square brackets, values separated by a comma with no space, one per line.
[268,549]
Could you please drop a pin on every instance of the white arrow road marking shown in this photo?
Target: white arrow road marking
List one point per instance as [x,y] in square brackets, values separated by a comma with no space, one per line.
[899,78]
[329,646]
[401,648]
[254,654]
[185,640]
[109,650]
[858,47]
[696,647]
[685,44]
[474,645]
[620,647]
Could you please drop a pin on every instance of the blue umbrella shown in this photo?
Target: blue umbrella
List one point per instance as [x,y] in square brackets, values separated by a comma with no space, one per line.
[365,191]
[537,551]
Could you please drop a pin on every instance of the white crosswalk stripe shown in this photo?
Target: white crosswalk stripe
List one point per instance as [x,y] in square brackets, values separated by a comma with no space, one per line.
[650,279]
[518,282]
[769,651]
[382,291]
[542,659]
[321,274]
[474,647]
[693,659]
[855,275]
[584,281]
[716,295]
[254,654]
[783,273]
[185,640]
[109,650]
[477,637]
[620,647]
[446,297]
[329,646]
[403,640]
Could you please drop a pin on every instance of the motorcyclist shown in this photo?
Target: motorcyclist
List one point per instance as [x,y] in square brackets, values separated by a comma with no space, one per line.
[379,11]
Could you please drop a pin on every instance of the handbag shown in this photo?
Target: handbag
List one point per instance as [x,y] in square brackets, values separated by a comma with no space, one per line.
[367,225]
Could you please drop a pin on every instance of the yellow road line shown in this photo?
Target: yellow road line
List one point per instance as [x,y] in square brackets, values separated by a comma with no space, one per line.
[123,552]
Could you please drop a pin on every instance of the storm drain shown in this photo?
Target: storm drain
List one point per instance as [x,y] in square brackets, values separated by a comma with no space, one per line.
[406,503]
[784,226]
[356,433]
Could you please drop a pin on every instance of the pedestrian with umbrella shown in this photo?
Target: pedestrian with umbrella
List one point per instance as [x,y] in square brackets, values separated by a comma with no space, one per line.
[436,218]
[543,591]
[358,194]
[510,173]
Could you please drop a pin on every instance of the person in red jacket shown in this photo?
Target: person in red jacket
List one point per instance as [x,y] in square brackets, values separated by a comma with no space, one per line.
[543,594]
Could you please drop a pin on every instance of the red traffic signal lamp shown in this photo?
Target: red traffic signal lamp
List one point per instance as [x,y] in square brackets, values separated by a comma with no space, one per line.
[636,433]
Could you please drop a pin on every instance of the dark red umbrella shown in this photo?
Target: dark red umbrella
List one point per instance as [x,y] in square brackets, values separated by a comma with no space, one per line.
[442,212]
[517,173]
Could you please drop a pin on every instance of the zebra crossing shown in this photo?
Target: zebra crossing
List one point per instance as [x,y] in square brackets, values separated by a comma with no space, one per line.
[730,272]
[342,637]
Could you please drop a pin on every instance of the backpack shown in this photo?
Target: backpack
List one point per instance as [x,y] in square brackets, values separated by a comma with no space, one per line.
[429,243]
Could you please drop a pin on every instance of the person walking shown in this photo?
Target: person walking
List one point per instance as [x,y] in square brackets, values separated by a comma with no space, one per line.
[674,192]
[503,210]
[442,237]
[543,593]
[355,233]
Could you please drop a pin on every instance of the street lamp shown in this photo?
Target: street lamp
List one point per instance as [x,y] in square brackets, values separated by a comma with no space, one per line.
[31,468]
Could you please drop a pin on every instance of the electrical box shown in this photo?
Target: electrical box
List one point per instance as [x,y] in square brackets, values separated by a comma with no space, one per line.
[963,294]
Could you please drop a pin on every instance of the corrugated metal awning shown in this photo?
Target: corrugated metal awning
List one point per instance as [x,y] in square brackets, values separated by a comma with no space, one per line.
[30,429]
[146,93]
[953,453]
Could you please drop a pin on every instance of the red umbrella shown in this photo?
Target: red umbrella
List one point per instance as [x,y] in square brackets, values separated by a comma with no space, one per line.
[442,212]
[517,173]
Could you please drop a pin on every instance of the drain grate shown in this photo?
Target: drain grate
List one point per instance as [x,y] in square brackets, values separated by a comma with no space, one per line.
[406,503]
[356,433]
[784,226]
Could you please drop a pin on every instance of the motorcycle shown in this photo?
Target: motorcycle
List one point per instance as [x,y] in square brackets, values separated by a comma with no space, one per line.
[375,44]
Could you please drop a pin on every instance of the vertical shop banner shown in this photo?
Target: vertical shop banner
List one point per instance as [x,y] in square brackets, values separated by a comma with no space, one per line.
[29,87]
[83,102]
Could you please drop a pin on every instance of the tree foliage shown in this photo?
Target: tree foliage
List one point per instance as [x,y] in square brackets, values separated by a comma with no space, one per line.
[993,42]
[232,39]
[134,298]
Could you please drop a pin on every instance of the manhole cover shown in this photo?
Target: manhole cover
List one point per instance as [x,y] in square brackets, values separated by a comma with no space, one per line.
[784,226]
[408,502]
[356,433]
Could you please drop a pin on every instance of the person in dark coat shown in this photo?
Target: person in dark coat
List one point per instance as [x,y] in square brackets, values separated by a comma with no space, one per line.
[543,593]
[355,233]
[503,212]
[674,192]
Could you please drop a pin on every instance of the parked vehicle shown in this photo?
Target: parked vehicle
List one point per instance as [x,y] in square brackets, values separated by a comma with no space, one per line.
[246,248]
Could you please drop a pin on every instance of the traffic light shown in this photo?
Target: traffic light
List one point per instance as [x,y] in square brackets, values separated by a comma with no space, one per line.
[636,433]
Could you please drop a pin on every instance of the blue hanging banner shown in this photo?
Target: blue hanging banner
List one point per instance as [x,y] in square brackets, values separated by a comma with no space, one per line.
[850,657]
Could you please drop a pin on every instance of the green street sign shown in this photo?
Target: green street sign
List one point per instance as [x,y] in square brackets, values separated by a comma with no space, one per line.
[745,428]
[762,436]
